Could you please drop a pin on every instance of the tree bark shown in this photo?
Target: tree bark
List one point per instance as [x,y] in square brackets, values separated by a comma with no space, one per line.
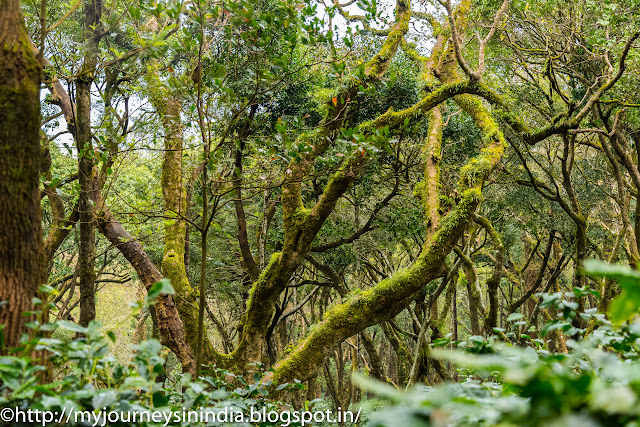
[22,268]
[377,370]
[243,238]
[175,196]
[493,283]
[87,250]
[87,247]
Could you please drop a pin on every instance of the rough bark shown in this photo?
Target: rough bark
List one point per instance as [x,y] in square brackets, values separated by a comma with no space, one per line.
[21,249]
[243,239]
[493,283]
[84,145]
[403,355]
[473,294]
[377,370]
[60,225]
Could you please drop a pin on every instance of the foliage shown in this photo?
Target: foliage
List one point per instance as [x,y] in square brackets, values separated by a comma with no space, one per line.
[596,383]
[88,378]
[626,304]
[320,192]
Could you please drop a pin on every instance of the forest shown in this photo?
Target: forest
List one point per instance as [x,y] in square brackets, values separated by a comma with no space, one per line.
[405,212]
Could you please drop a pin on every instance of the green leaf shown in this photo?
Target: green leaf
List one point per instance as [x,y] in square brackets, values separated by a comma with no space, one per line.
[514,316]
[46,289]
[65,324]
[161,287]
[625,275]
[159,399]
[135,12]
[104,399]
[377,387]
[625,305]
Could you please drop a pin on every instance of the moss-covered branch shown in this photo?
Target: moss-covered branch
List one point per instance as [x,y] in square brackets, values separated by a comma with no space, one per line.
[381,302]
[391,295]
[301,225]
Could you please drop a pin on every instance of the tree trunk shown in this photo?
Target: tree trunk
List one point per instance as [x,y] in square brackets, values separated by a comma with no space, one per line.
[21,247]
[87,250]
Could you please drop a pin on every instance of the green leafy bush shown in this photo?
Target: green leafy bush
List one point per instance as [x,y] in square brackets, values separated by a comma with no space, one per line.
[88,378]
[597,383]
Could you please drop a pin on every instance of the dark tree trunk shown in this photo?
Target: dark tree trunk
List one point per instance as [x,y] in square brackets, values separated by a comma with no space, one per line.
[87,251]
[21,247]
[377,369]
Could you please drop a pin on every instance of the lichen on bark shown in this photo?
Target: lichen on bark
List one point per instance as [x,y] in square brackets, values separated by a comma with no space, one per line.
[21,249]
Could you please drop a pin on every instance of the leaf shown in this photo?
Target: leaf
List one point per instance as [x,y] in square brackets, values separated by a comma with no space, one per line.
[136,382]
[625,275]
[104,399]
[65,324]
[159,399]
[377,387]
[625,305]
[514,316]
[161,287]
[135,12]
[46,289]
[481,363]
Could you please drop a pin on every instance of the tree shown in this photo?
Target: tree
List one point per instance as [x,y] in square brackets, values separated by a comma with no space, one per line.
[21,248]
[325,184]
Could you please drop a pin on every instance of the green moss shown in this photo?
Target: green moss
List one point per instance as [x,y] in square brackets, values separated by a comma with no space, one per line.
[300,216]
[418,189]
[379,63]
[474,172]
[273,262]
[445,202]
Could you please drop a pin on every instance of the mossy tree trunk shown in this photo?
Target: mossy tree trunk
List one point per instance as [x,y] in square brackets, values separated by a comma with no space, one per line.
[381,302]
[174,193]
[392,295]
[84,145]
[21,248]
